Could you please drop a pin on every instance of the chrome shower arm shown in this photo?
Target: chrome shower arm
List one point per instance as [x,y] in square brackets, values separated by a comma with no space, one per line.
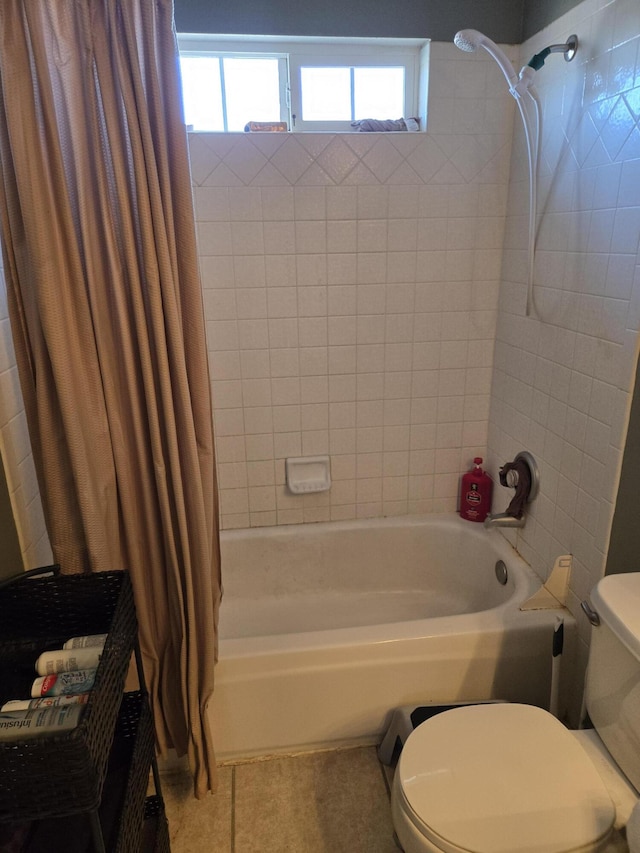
[569,49]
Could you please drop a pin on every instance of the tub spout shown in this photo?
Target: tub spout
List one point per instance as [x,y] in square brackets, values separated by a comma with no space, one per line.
[503,519]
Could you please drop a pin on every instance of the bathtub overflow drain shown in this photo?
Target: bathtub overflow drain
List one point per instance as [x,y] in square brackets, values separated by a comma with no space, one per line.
[501,572]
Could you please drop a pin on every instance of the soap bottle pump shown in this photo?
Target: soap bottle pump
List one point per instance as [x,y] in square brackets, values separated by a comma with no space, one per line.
[476,489]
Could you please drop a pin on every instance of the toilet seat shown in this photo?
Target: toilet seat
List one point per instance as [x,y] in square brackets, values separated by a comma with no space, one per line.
[500,779]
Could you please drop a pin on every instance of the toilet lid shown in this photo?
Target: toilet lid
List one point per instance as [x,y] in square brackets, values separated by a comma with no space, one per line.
[502,778]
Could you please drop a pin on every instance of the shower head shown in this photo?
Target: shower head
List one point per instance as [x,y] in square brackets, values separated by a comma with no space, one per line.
[468,40]
[471,40]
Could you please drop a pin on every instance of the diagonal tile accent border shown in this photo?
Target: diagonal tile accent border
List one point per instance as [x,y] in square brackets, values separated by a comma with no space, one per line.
[348,159]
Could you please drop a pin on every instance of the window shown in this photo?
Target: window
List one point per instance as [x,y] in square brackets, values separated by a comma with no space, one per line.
[224,92]
[332,96]
[318,85]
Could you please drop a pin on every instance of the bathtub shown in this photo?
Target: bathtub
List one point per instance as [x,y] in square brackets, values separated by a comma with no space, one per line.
[325,628]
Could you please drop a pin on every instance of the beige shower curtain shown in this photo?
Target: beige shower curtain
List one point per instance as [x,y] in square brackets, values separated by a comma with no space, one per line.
[106,312]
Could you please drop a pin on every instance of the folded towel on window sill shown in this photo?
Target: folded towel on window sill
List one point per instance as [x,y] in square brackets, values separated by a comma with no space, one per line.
[376,125]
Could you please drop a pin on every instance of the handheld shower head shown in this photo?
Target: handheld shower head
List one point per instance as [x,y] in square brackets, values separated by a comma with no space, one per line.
[468,40]
[520,86]
[521,89]
[471,40]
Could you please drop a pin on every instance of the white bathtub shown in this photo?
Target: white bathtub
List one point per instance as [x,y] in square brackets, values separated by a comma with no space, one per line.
[325,628]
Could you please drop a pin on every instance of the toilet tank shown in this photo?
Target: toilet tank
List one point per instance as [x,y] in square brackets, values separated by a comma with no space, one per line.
[612,692]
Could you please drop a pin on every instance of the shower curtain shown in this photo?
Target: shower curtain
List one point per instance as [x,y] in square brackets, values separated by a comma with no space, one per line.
[106,312]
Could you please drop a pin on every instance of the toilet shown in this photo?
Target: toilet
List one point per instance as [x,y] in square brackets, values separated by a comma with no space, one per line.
[510,778]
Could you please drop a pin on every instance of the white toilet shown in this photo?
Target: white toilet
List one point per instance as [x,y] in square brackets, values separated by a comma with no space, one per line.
[509,778]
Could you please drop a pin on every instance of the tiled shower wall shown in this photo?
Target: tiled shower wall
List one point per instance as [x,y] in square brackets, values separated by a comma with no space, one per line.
[350,286]
[563,376]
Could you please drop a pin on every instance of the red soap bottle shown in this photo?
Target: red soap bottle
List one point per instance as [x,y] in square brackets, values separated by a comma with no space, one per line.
[476,488]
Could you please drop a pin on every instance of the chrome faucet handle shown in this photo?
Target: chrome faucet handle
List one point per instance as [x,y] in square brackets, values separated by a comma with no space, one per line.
[531,463]
[512,479]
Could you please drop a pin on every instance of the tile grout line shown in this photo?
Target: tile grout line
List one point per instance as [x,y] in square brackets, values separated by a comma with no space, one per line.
[233,810]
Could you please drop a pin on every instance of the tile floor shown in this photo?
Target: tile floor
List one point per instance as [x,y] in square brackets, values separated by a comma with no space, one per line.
[323,802]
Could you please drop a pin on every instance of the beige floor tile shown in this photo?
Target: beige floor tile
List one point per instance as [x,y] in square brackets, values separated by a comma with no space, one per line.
[329,802]
[199,826]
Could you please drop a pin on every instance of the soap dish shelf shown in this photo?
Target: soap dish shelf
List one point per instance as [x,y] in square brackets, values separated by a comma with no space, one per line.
[308,474]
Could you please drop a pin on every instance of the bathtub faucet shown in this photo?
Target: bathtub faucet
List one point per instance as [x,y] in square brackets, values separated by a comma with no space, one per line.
[521,475]
[503,519]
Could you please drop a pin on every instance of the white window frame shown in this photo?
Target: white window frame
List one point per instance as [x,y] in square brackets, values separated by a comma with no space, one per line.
[297,52]
[283,74]
[360,54]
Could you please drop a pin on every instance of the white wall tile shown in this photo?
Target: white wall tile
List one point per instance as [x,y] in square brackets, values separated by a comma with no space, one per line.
[579,361]
[330,290]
